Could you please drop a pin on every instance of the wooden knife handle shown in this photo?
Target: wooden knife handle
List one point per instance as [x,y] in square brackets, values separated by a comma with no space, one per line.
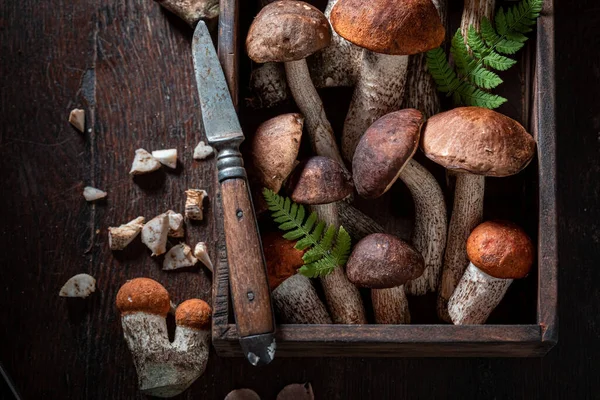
[247,271]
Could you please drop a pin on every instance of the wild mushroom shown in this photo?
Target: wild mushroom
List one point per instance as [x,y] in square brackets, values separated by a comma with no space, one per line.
[119,237]
[242,394]
[388,31]
[294,298]
[167,157]
[500,252]
[475,142]
[143,163]
[383,155]
[288,32]
[296,391]
[192,11]
[194,204]
[384,264]
[176,227]
[164,369]
[179,256]
[93,194]
[201,253]
[77,119]
[154,234]
[80,285]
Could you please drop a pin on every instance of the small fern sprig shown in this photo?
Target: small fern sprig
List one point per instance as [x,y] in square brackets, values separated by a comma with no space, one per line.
[328,248]
[482,53]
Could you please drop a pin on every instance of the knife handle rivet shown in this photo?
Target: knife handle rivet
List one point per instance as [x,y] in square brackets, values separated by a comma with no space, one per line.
[250,295]
[239,214]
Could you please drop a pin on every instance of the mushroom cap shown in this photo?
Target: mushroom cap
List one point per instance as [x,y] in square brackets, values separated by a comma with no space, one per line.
[381,261]
[296,391]
[143,295]
[399,27]
[477,140]
[501,249]
[193,313]
[319,180]
[287,31]
[383,151]
[242,394]
[274,149]
[282,259]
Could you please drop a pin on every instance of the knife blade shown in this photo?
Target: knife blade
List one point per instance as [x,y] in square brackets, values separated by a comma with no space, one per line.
[247,271]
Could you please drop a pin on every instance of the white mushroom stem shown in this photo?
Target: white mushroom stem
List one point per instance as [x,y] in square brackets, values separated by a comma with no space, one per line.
[311,106]
[467,213]
[164,369]
[473,13]
[296,302]
[429,233]
[379,90]
[390,306]
[356,223]
[343,298]
[476,296]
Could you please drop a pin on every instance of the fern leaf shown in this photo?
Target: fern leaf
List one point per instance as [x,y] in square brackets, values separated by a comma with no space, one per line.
[312,255]
[476,43]
[310,222]
[497,61]
[501,23]
[318,232]
[303,243]
[460,54]
[294,235]
[327,240]
[317,269]
[484,78]
[294,211]
[472,95]
[300,215]
[488,33]
[286,226]
[506,46]
[342,248]
[444,76]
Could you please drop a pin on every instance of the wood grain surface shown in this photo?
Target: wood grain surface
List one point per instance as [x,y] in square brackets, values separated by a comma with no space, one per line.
[129,65]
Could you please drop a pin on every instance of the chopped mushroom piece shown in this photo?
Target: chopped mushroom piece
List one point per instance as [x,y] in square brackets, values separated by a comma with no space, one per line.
[192,11]
[77,119]
[297,391]
[143,163]
[154,234]
[175,224]
[201,253]
[80,285]
[194,204]
[120,237]
[180,256]
[202,151]
[167,157]
[93,194]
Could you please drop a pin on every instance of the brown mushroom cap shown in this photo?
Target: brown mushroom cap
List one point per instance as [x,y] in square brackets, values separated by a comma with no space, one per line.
[296,391]
[477,140]
[143,295]
[399,27]
[242,394]
[282,259]
[287,31]
[501,249]
[274,149]
[383,151]
[319,180]
[194,313]
[382,261]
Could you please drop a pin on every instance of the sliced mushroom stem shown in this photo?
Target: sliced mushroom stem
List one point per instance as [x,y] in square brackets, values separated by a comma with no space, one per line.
[296,302]
[379,90]
[467,213]
[476,296]
[343,298]
[473,13]
[429,232]
[390,306]
[311,106]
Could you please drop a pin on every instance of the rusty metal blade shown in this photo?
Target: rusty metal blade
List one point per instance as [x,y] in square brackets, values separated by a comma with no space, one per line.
[218,114]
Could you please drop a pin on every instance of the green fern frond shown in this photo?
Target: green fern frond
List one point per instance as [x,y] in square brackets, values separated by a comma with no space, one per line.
[482,53]
[327,248]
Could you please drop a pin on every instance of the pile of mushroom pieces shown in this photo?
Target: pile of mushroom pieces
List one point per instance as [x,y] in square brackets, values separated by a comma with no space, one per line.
[469,262]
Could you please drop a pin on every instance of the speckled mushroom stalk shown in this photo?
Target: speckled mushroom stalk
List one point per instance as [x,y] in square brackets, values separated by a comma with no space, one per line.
[164,369]
[499,252]
[383,155]
[388,31]
[288,32]
[473,13]
[385,263]
[474,142]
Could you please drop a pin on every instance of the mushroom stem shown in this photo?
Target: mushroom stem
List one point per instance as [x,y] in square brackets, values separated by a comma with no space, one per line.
[311,106]
[343,298]
[356,222]
[467,213]
[390,306]
[379,90]
[473,12]
[476,296]
[296,302]
[429,233]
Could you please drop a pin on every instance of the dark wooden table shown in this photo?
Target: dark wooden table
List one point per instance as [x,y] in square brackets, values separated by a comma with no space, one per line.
[128,64]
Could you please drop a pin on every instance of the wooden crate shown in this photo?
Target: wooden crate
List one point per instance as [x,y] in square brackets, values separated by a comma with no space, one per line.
[525,324]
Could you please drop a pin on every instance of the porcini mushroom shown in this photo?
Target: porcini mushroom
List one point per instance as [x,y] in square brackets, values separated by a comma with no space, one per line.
[296,391]
[242,394]
[119,237]
[500,252]
[385,263]
[288,32]
[143,163]
[388,31]
[164,369]
[383,155]
[475,142]
[154,234]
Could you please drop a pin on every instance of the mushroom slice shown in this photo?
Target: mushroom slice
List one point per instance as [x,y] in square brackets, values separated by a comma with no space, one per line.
[93,194]
[202,151]
[154,234]
[119,237]
[143,163]
[77,119]
[180,256]
[201,253]
[167,157]
[80,285]
[194,204]
[175,224]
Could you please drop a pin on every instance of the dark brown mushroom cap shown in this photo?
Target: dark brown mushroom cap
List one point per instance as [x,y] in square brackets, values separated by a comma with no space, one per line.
[242,394]
[319,180]
[381,261]
[384,149]
[477,140]
[399,27]
[143,295]
[296,391]
[194,313]
[287,31]
[501,249]
[281,258]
